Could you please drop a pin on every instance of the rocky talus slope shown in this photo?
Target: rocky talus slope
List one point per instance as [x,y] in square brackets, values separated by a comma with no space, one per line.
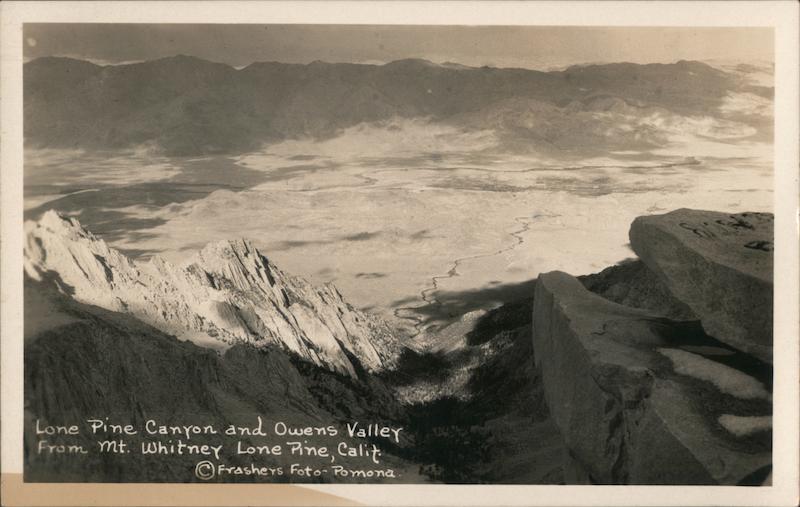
[657,371]
[226,294]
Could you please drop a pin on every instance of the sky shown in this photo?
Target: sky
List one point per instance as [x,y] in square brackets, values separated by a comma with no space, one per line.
[511,46]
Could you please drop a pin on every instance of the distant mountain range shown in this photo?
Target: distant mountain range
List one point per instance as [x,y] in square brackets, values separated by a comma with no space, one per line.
[183,105]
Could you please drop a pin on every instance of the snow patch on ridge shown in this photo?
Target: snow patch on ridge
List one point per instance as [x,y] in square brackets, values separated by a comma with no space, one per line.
[725,378]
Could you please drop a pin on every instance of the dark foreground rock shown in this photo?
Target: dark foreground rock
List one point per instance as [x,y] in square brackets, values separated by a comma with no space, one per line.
[635,399]
[657,371]
[719,265]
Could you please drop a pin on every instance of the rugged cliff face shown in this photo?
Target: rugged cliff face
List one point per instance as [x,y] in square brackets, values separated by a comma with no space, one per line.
[226,294]
[657,377]
[82,361]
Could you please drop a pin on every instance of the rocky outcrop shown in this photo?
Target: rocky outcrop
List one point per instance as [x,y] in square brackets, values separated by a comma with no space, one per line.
[719,265]
[227,294]
[632,284]
[631,401]
[640,390]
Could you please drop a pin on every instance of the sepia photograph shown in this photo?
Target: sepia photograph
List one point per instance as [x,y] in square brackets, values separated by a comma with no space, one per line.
[328,253]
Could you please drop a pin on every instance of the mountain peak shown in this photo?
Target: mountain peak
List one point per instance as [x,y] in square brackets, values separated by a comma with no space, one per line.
[411,62]
[456,66]
[60,60]
[229,248]
[181,58]
[63,224]
[183,63]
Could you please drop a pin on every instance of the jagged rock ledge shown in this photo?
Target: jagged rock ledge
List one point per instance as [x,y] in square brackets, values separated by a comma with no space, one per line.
[662,375]
[228,293]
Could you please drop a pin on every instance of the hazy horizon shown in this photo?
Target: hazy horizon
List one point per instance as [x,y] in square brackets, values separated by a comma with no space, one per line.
[531,47]
[552,68]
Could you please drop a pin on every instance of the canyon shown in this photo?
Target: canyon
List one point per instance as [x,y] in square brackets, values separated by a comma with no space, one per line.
[618,377]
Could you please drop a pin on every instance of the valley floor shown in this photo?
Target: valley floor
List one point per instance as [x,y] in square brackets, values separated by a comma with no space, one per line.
[418,222]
